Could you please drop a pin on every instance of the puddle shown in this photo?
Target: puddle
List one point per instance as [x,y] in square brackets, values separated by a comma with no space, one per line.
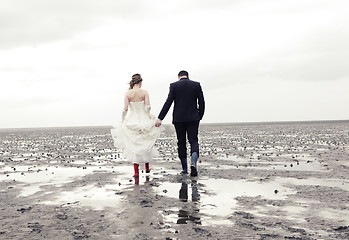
[299,213]
[222,193]
[90,196]
[101,197]
[191,210]
[169,189]
[215,199]
[33,179]
[56,174]
[48,175]
[39,182]
[191,216]
[29,190]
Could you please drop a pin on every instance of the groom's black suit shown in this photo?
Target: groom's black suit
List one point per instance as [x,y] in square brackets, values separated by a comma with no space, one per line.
[188,110]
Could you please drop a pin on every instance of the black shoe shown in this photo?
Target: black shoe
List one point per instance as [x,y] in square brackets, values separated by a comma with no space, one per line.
[193,172]
[184,172]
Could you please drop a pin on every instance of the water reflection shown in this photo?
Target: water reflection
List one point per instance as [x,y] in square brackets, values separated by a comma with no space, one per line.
[183,192]
[147,178]
[190,211]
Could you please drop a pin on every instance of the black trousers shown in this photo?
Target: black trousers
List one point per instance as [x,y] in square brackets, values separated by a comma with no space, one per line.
[184,130]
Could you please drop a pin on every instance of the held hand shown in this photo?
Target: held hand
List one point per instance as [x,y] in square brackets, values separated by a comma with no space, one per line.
[158,122]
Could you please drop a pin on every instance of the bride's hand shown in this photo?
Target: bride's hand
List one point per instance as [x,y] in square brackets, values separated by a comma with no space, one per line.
[158,122]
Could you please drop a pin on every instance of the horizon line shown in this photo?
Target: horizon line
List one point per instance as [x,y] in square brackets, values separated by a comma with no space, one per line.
[204,123]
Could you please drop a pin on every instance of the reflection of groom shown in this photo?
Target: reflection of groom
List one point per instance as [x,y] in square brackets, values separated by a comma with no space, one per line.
[188,110]
[191,214]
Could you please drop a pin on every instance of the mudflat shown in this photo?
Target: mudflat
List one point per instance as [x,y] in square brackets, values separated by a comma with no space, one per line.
[256,181]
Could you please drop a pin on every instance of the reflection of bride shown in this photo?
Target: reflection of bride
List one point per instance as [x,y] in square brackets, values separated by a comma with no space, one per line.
[136,133]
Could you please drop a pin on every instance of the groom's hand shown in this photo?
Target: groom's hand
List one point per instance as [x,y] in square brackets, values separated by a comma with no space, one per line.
[158,123]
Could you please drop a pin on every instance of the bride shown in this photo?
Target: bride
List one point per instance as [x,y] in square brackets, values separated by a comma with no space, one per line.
[136,133]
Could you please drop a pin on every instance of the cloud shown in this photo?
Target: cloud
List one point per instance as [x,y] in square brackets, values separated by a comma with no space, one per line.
[66,57]
[303,45]
[35,22]
[31,23]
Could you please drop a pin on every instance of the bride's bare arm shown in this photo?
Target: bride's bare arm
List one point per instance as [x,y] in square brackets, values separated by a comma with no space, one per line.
[126,102]
[147,102]
[146,98]
[124,111]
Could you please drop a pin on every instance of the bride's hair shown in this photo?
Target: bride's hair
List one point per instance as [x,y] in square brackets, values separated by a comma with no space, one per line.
[136,78]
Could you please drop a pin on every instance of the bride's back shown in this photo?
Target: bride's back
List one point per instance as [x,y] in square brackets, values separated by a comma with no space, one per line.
[136,95]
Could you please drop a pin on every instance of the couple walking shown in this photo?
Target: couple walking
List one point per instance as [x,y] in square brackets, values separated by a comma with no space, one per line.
[137,132]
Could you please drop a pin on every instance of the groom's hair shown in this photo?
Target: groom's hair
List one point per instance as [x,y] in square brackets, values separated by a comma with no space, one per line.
[183,73]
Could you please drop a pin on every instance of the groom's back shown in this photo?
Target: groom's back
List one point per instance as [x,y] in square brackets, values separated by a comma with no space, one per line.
[186,94]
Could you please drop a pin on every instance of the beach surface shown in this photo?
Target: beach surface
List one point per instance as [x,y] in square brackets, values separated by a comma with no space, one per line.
[256,181]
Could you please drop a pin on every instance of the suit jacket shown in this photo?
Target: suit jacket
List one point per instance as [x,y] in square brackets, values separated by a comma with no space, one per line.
[188,98]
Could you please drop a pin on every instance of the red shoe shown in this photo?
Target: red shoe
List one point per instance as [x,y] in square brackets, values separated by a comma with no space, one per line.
[147,169]
[135,166]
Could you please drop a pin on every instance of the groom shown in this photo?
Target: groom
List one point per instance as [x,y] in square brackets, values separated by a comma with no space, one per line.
[188,110]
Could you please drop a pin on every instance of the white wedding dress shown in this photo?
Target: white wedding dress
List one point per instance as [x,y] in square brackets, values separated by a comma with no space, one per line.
[136,134]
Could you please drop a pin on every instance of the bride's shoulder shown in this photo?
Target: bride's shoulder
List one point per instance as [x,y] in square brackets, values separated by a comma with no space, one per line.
[142,91]
[128,92]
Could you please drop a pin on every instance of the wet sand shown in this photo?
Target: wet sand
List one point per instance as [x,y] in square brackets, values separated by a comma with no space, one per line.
[256,181]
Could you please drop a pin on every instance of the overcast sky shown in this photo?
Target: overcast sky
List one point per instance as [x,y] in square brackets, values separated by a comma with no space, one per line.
[68,63]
